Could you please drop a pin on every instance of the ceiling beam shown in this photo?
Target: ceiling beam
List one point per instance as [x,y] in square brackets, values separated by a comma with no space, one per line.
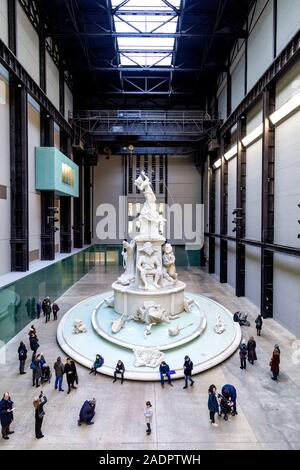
[114,34]
[162,69]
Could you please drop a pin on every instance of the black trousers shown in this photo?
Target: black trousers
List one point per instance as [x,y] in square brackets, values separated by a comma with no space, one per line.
[22,365]
[243,362]
[47,316]
[5,430]
[121,373]
[38,427]
[212,416]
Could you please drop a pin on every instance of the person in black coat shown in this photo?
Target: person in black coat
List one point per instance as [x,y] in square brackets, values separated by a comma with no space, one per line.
[22,351]
[251,346]
[188,367]
[71,374]
[34,344]
[6,415]
[259,324]
[243,355]
[120,369]
[55,309]
[38,404]
[87,412]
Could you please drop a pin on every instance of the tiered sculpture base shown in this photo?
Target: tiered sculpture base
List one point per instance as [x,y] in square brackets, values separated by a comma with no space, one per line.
[197,337]
[127,300]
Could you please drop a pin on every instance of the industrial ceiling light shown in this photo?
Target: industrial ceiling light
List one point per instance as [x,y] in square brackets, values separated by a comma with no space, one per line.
[217,164]
[287,108]
[231,153]
[252,136]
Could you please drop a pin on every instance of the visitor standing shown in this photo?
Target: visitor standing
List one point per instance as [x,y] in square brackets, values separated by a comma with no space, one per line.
[148,413]
[274,363]
[120,369]
[213,404]
[38,309]
[87,412]
[32,331]
[59,374]
[38,404]
[188,368]
[47,309]
[251,348]
[71,374]
[99,361]
[36,370]
[22,351]
[34,344]
[55,309]
[243,355]
[6,415]
[259,324]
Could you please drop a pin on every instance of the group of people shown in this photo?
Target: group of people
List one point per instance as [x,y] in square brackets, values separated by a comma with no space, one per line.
[248,351]
[222,404]
[46,307]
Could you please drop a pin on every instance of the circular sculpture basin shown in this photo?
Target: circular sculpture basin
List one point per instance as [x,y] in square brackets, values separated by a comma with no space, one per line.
[206,350]
[191,325]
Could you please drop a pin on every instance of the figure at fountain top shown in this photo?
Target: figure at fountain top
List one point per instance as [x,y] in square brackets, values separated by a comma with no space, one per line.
[149,217]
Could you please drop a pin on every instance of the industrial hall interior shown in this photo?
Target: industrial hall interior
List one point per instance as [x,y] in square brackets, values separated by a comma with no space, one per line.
[150,225]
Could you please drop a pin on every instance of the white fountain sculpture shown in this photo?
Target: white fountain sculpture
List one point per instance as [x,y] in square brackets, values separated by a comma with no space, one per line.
[149,291]
[79,327]
[219,326]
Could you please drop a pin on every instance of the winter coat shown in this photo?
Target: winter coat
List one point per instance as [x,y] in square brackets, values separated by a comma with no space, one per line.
[229,390]
[59,368]
[98,362]
[37,372]
[259,323]
[251,350]
[243,351]
[120,368]
[34,345]
[22,351]
[164,369]
[213,404]
[188,367]
[87,411]
[55,308]
[275,361]
[6,417]
[148,413]
[69,371]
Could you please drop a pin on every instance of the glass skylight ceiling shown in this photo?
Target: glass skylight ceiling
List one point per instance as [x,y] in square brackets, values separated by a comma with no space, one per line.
[145,16]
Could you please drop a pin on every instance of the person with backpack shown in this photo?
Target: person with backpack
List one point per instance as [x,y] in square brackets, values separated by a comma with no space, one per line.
[22,352]
[259,324]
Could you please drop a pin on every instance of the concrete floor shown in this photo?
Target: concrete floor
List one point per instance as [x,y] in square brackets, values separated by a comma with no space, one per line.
[268,411]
